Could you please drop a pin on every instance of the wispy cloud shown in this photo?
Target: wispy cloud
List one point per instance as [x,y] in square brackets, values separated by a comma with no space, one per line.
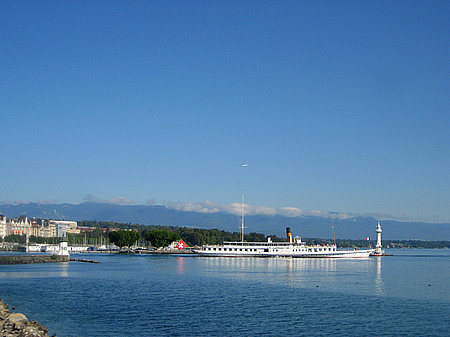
[46,202]
[26,202]
[406,218]
[15,202]
[115,201]
[236,208]
[387,216]
[201,207]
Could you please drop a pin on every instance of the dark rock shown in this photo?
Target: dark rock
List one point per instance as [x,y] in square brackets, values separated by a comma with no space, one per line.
[17,325]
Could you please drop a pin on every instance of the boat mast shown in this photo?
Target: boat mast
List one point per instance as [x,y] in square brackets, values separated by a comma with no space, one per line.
[332,227]
[243,212]
[242,218]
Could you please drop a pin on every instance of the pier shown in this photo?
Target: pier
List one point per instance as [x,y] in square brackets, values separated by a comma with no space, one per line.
[28,259]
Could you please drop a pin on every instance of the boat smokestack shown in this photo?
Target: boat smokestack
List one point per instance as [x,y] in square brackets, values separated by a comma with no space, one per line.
[289,234]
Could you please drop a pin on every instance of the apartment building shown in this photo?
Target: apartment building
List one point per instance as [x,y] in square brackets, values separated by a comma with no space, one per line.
[2,226]
[37,227]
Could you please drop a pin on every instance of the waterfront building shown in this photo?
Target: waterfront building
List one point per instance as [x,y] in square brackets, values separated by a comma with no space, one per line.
[2,226]
[61,230]
[70,226]
[87,229]
[20,226]
[48,229]
[42,228]
[36,227]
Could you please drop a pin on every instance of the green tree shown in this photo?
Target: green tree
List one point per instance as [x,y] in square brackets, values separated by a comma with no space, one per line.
[255,237]
[161,237]
[124,238]
[15,238]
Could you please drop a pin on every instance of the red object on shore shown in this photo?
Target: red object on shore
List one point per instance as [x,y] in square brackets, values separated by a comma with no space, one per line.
[181,244]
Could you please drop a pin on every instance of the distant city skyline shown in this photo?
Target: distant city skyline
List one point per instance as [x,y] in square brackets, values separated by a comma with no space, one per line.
[313,106]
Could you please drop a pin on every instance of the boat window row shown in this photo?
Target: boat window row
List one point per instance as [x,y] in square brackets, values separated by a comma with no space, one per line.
[259,244]
[322,249]
[309,249]
[231,249]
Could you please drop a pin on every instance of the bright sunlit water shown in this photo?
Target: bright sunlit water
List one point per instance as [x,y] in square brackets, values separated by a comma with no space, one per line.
[402,295]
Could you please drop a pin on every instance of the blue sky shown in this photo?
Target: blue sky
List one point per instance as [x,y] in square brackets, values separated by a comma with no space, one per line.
[335,105]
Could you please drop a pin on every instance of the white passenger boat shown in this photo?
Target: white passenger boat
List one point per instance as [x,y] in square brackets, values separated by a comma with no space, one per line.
[294,247]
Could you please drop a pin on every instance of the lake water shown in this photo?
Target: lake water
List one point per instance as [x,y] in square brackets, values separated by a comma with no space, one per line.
[407,294]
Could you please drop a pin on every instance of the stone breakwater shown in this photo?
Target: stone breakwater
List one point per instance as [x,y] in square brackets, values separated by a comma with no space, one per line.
[26,259]
[17,325]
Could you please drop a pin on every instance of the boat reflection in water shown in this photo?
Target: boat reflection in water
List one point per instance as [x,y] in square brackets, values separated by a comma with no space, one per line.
[286,271]
[289,264]
[355,276]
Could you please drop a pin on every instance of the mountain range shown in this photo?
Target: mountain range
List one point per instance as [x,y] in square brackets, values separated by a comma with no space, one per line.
[308,226]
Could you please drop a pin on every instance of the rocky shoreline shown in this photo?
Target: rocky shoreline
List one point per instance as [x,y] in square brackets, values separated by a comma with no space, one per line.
[18,325]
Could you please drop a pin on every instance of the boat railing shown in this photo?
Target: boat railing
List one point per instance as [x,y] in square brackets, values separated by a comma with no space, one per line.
[269,244]
[273,244]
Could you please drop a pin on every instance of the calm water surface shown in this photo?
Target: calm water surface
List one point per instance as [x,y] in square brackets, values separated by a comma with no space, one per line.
[407,294]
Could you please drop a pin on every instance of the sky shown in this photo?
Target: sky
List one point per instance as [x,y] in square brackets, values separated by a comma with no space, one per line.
[336,106]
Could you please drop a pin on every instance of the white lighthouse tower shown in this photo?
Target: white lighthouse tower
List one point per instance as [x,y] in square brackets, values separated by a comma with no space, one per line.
[378,250]
[63,249]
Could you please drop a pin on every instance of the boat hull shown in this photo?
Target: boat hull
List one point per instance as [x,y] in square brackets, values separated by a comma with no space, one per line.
[336,254]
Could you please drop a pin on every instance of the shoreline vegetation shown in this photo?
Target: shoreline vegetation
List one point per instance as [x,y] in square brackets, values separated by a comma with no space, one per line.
[103,232]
